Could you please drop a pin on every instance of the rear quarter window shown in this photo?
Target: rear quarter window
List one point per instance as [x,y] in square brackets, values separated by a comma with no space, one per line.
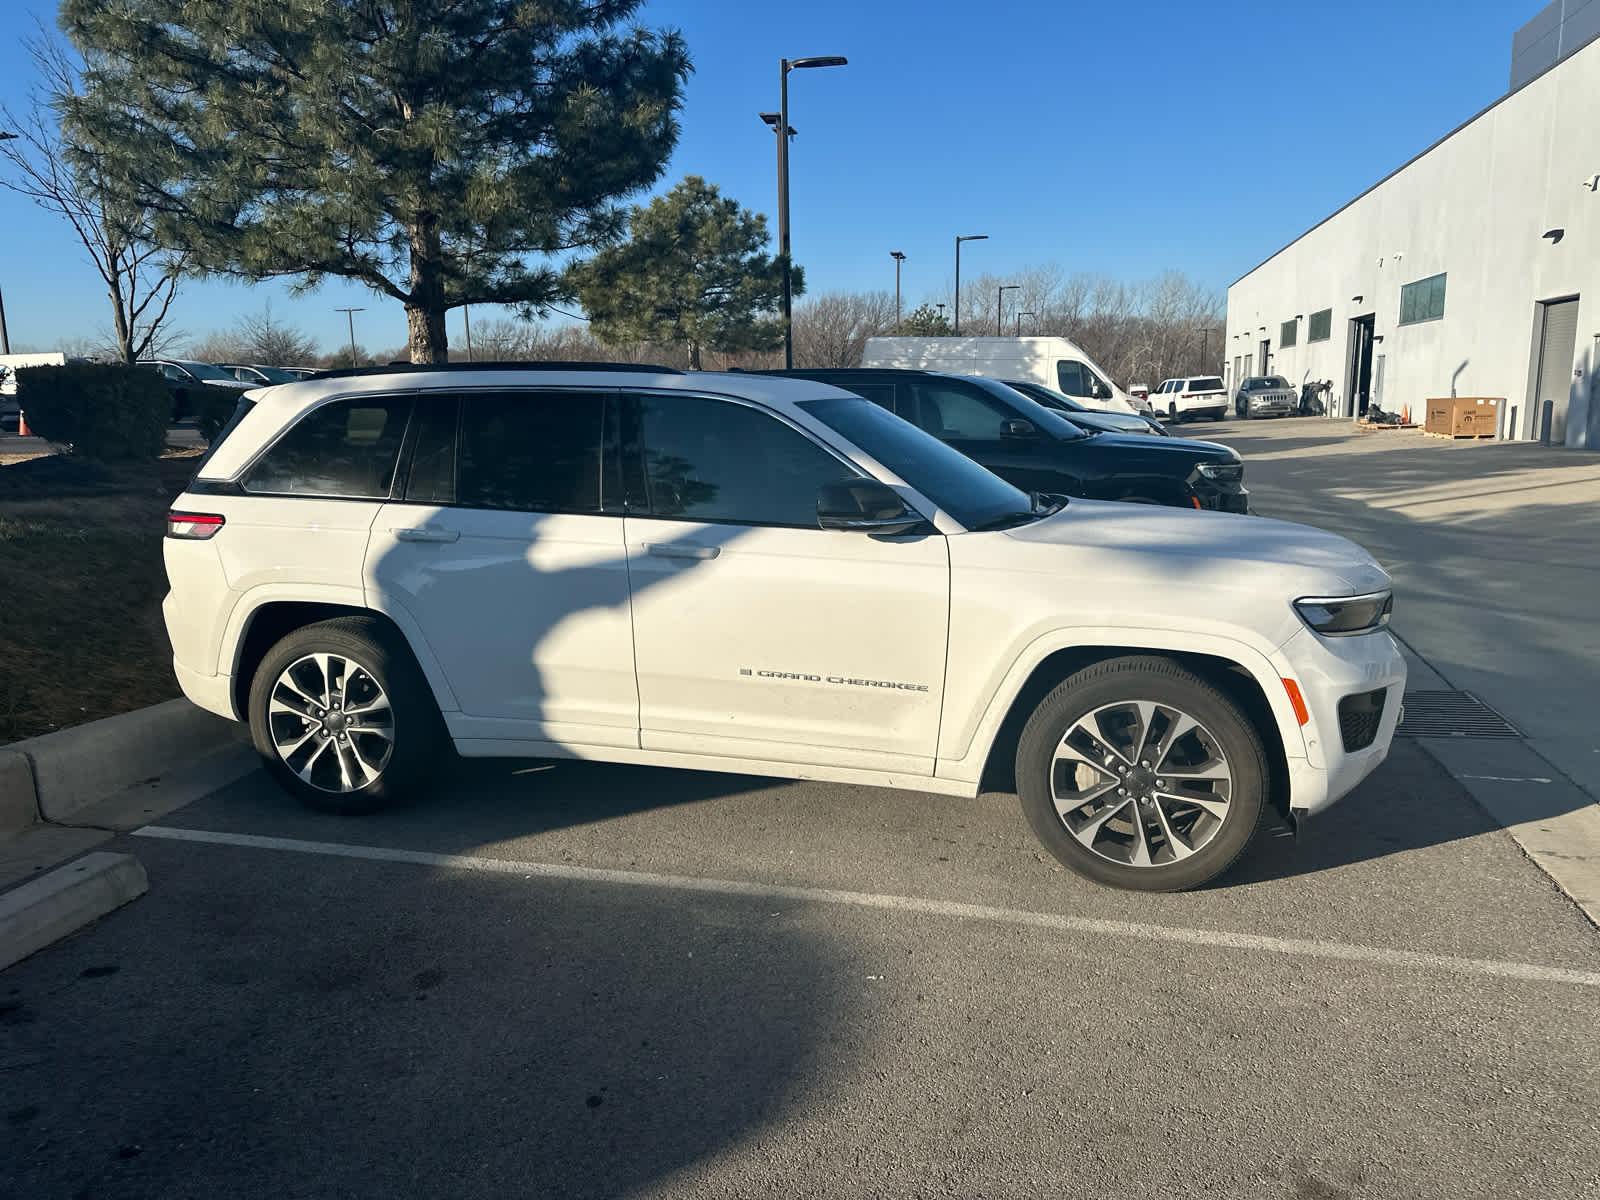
[345,449]
[1206,383]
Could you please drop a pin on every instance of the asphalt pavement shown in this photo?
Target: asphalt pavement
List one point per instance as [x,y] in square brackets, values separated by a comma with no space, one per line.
[580,979]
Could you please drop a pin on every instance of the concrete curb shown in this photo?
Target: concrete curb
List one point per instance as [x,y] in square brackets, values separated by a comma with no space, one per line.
[47,909]
[74,768]
[19,804]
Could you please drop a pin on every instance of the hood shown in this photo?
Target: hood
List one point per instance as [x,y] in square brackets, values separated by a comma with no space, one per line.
[1220,546]
[1179,447]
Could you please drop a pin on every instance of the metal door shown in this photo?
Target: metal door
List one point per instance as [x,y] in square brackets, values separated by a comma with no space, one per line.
[1558,341]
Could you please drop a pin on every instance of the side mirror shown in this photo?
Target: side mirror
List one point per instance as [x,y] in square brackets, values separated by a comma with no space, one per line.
[1018,428]
[863,505]
[1096,390]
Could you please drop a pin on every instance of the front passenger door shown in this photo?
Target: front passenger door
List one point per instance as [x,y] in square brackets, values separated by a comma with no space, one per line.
[759,635]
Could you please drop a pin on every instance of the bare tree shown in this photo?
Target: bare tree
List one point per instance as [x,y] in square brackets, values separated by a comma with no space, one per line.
[832,329]
[141,278]
[273,343]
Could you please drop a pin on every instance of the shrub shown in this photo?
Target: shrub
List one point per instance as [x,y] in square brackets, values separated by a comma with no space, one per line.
[212,406]
[106,412]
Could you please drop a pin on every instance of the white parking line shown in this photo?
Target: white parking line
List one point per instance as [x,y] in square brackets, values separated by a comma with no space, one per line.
[1300,947]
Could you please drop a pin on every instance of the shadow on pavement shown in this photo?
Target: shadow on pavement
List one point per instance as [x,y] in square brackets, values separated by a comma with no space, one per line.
[380,1030]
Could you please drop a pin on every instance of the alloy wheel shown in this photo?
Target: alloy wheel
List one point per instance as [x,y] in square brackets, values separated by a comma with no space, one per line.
[331,723]
[1141,784]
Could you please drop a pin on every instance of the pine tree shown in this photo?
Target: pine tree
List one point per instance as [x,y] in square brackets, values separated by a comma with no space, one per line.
[692,273]
[427,148]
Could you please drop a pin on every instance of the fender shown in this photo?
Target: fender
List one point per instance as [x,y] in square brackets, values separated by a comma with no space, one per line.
[251,602]
[963,752]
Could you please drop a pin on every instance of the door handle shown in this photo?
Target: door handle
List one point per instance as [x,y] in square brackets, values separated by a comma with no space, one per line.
[683,550]
[428,534]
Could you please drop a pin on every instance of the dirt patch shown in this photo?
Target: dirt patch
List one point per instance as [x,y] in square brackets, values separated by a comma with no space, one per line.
[81,583]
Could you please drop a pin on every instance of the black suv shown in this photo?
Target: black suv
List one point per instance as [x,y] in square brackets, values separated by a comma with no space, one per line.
[1038,450]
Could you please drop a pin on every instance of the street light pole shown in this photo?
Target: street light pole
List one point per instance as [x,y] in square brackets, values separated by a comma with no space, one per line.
[1000,303]
[971,237]
[5,338]
[1020,315]
[351,314]
[898,259]
[785,65]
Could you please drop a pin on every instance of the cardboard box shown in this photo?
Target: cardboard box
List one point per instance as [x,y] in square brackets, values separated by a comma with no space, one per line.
[1463,416]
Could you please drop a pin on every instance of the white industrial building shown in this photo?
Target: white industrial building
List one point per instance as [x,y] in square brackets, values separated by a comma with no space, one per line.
[1473,270]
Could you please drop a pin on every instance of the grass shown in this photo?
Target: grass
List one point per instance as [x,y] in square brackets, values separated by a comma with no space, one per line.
[81,582]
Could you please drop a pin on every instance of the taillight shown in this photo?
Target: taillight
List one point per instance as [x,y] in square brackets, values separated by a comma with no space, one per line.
[195,527]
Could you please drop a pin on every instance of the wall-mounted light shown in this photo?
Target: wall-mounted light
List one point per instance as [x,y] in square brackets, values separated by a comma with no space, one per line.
[1378,337]
[1555,235]
[1299,316]
[1357,299]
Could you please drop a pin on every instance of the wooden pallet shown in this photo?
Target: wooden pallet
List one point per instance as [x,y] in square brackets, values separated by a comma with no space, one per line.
[1364,427]
[1458,437]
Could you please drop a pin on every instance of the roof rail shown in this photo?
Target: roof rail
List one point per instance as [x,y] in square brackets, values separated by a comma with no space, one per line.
[413,368]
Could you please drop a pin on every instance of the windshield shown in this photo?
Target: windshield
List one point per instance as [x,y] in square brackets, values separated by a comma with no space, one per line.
[206,371]
[1048,397]
[275,374]
[949,478]
[1275,381]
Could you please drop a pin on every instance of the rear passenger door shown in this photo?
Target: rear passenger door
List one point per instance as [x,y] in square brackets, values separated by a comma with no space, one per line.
[505,555]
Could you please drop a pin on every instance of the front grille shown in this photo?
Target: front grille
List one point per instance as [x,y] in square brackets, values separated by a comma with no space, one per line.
[1359,718]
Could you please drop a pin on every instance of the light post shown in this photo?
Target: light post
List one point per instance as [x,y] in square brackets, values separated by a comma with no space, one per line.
[971,237]
[898,259]
[1020,315]
[5,338]
[785,65]
[1000,302]
[351,314]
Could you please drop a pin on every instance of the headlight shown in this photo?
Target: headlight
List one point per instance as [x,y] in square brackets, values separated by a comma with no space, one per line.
[1337,616]
[1221,472]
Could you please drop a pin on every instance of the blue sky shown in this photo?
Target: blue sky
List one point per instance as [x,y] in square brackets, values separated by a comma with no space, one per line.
[1118,138]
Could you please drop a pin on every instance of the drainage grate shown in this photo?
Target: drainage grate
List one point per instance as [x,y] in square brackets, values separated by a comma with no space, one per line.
[1452,714]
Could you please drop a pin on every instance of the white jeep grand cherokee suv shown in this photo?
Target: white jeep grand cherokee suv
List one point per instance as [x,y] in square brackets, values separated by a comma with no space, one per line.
[765,575]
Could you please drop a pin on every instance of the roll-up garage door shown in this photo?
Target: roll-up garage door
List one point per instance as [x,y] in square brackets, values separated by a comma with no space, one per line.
[1559,340]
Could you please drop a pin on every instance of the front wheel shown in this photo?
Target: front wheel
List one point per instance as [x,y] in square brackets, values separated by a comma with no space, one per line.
[1241,410]
[1137,773]
[344,719]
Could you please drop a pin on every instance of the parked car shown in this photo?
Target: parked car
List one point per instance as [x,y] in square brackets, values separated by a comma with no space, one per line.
[742,573]
[1037,450]
[1192,396]
[1265,396]
[185,375]
[1088,418]
[1052,362]
[259,376]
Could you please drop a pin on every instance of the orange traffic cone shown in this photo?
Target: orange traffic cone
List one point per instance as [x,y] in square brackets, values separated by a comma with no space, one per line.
[22,425]
[1405,414]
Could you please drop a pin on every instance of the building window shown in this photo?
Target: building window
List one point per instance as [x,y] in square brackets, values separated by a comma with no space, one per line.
[1288,334]
[1321,327]
[1422,300]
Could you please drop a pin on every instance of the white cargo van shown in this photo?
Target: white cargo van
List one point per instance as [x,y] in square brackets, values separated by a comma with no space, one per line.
[1053,362]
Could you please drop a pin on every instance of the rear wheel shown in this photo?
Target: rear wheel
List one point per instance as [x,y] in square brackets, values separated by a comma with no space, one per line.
[343,718]
[1137,773]
[1172,412]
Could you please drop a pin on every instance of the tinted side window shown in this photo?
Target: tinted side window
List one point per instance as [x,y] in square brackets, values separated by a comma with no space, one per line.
[432,475]
[712,460]
[881,394]
[347,448]
[1071,382]
[530,451]
[948,410]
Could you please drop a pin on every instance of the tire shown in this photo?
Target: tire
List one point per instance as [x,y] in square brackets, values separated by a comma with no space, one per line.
[1172,412]
[1242,410]
[388,754]
[1094,716]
